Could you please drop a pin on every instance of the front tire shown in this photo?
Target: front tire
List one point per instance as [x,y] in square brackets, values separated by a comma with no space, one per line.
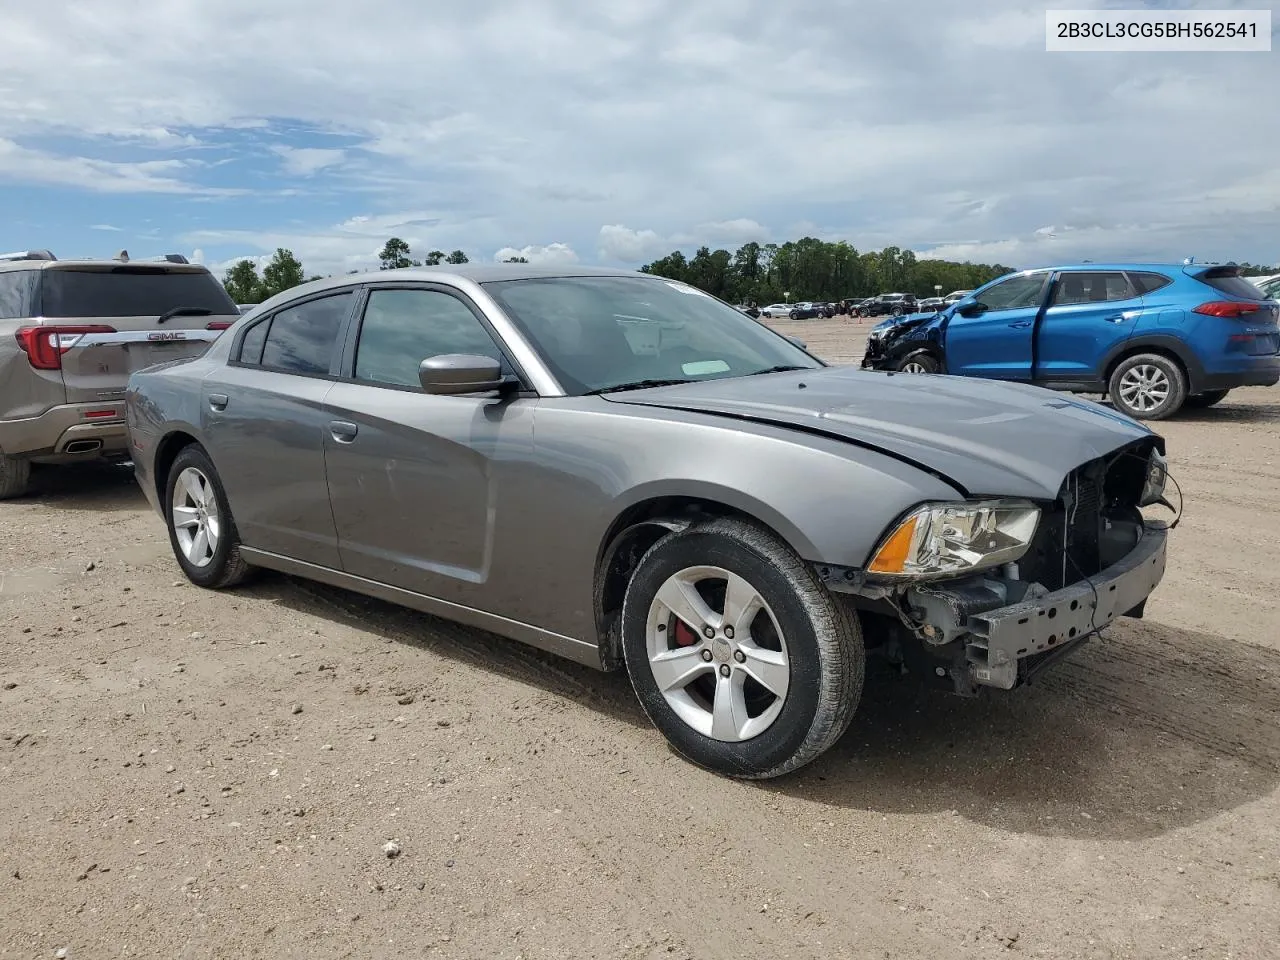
[202,531]
[1202,401]
[919,363]
[1148,386]
[755,692]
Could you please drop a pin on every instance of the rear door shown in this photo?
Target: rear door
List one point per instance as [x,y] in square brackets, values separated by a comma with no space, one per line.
[112,319]
[996,342]
[1089,313]
[264,424]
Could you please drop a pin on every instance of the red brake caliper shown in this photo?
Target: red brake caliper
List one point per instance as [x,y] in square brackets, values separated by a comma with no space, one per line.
[684,636]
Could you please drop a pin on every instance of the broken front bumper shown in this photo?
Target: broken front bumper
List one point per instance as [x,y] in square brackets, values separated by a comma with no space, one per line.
[1022,637]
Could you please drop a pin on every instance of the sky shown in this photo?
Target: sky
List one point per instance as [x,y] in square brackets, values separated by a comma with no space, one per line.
[614,131]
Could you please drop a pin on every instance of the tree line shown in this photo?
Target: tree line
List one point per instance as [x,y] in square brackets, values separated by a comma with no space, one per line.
[805,269]
[812,269]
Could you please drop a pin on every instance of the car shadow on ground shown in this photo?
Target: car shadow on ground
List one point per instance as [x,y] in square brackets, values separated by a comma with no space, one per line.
[1135,735]
[1228,412]
[94,485]
[1138,734]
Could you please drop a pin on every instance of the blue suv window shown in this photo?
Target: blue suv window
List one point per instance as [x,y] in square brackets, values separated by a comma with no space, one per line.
[1018,291]
[1098,287]
[1149,282]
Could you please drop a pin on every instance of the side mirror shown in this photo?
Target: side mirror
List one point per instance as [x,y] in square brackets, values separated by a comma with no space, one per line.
[970,308]
[798,342]
[455,373]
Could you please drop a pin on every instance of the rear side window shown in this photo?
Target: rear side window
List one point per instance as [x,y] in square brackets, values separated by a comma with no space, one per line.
[303,339]
[18,293]
[1074,288]
[1149,282]
[1229,281]
[131,291]
[251,345]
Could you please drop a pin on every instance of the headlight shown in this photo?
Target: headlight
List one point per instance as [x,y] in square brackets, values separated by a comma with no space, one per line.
[1157,476]
[938,539]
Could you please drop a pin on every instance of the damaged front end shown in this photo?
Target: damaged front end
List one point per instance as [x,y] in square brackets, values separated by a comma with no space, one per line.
[1030,595]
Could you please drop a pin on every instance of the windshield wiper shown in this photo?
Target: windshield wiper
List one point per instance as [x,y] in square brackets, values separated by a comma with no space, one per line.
[781,368]
[184,312]
[634,385]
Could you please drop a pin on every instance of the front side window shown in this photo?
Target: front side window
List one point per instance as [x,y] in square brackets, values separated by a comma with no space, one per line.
[1075,288]
[601,333]
[401,328]
[304,339]
[1023,290]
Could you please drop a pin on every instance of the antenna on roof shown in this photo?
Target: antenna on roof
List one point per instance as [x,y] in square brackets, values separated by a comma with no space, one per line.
[1188,261]
[123,255]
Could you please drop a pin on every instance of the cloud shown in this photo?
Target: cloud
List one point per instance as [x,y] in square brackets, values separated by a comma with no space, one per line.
[617,242]
[105,226]
[304,161]
[925,123]
[551,254]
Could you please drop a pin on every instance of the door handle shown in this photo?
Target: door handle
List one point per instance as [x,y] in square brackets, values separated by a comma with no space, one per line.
[218,401]
[1020,324]
[343,431]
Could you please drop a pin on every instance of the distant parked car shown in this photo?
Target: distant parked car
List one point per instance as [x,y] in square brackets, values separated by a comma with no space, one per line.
[751,310]
[930,305]
[777,310]
[805,311]
[894,304]
[955,296]
[1270,286]
[734,522]
[71,332]
[1152,337]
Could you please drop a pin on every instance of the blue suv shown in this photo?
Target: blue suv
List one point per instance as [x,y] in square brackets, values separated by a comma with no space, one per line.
[1153,337]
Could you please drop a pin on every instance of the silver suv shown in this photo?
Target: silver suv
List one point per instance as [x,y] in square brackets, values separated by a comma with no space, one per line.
[71,333]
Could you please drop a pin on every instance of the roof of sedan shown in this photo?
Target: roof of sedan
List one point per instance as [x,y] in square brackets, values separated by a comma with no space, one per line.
[488,272]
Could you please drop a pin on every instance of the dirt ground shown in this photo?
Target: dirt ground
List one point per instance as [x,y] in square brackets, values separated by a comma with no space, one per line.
[187,774]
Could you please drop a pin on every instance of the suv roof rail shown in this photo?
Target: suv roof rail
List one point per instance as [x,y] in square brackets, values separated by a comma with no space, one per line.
[123,256]
[29,255]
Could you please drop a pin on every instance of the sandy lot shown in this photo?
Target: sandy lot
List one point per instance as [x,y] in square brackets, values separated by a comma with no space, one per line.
[192,774]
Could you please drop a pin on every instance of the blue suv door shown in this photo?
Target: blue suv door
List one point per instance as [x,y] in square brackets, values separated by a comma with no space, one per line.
[990,334]
[1089,313]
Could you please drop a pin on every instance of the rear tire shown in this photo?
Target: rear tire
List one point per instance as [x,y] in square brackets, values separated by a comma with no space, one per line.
[1202,401]
[15,477]
[202,531]
[1148,386]
[805,648]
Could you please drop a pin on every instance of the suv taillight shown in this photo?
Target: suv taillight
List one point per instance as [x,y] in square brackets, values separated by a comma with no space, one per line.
[44,346]
[1227,308]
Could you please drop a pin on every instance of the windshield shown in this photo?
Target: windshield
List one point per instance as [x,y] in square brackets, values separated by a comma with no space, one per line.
[598,333]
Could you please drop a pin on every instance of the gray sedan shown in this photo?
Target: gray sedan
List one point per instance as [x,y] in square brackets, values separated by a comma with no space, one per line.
[626,471]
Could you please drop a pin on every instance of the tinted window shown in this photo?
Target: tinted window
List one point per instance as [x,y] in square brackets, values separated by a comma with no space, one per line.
[17,293]
[1017,291]
[1149,282]
[302,339]
[596,333]
[130,291]
[1076,288]
[1271,289]
[1229,282]
[251,345]
[401,328]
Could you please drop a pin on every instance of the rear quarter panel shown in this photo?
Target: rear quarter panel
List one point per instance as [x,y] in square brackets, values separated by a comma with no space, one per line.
[160,401]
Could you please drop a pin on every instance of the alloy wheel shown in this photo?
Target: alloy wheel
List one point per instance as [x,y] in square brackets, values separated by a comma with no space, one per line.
[1145,387]
[717,654]
[195,517]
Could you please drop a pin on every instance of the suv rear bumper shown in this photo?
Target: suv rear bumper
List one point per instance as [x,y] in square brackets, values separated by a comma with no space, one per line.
[68,430]
[1245,372]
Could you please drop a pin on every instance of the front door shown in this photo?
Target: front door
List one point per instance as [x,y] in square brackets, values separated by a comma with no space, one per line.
[416,480]
[264,426]
[995,341]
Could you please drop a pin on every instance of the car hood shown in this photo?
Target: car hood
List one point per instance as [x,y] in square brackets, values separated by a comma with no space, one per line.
[984,437]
